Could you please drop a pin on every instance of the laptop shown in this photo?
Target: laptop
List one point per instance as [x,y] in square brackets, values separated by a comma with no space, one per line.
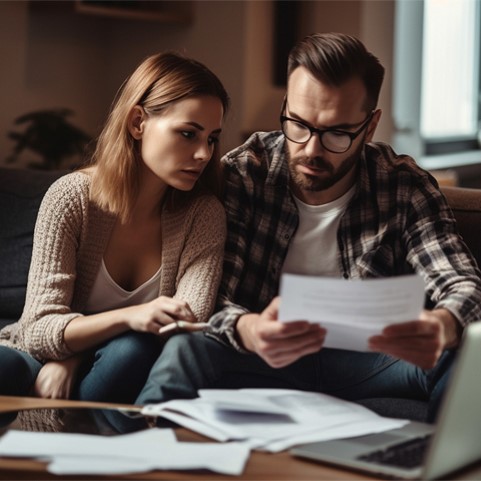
[420,450]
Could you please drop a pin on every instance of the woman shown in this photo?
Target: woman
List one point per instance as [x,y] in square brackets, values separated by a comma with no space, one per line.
[126,245]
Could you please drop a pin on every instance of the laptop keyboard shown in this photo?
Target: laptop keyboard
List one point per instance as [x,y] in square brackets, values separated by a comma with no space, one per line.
[409,454]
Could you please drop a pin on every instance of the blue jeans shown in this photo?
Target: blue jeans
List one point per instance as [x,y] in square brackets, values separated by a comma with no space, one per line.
[18,371]
[194,361]
[118,369]
[115,372]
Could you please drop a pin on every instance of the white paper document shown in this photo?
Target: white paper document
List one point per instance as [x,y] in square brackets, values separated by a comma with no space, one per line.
[271,419]
[129,453]
[352,311]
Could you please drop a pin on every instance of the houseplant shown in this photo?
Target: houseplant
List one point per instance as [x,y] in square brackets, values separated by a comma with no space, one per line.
[49,134]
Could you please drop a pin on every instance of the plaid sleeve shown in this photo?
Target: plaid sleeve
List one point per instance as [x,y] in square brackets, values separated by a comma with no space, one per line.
[222,326]
[222,323]
[453,280]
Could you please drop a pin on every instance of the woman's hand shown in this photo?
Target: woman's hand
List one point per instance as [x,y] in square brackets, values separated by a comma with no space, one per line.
[57,378]
[151,316]
[86,332]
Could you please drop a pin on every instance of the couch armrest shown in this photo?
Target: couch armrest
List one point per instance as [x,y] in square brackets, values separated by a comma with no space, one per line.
[466,206]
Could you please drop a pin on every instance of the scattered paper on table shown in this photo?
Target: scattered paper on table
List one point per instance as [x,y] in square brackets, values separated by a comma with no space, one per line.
[129,453]
[298,417]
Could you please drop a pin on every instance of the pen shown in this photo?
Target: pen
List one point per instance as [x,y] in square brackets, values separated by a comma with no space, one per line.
[182,326]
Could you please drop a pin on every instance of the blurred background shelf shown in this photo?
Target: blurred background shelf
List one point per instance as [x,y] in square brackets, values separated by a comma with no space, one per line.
[173,12]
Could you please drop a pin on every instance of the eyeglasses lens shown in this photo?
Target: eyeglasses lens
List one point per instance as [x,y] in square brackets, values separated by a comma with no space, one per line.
[332,141]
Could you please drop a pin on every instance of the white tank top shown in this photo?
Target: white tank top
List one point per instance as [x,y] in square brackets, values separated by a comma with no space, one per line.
[106,294]
[314,249]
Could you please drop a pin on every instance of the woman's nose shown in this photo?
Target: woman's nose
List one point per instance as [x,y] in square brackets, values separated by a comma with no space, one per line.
[204,152]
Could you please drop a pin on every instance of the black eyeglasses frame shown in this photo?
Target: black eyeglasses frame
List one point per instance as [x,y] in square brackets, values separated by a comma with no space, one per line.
[320,132]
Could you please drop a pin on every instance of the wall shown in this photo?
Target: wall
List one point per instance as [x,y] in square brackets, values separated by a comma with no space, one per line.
[376,31]
[49,61]
[372,21]
[53,57]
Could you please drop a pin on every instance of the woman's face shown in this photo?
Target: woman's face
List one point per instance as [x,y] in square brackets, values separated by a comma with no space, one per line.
[177,144]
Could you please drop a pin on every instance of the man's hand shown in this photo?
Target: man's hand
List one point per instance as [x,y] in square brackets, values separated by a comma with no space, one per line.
[419,342]
[279,344]
[56,379]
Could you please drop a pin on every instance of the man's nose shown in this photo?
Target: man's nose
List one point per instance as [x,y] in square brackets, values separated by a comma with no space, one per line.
[313,146]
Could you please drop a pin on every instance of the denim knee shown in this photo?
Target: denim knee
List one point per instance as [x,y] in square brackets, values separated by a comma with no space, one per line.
[120,368]
[130,347]
[185,345]
[188,362]
[18,372]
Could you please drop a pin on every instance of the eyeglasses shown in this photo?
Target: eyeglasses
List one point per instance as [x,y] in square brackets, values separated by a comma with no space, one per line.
[334,140]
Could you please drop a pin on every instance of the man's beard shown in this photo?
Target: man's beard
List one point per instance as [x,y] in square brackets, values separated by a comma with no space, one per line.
[330,175]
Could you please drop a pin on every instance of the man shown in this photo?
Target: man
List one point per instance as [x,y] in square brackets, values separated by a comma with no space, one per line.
[319,198]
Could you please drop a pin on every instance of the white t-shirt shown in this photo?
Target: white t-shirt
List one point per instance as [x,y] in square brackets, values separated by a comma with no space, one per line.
[314,249]
[106,294]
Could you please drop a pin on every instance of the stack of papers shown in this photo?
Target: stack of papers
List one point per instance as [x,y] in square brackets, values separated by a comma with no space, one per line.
[271,419]
[151,449]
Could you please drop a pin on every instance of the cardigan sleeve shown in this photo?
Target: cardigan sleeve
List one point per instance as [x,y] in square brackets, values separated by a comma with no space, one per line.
[200,265]
[52,273]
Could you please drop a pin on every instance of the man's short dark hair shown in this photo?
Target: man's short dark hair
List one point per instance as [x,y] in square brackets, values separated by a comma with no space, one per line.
[334,58]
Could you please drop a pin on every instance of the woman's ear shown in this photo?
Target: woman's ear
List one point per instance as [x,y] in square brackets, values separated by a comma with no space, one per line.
[136,122]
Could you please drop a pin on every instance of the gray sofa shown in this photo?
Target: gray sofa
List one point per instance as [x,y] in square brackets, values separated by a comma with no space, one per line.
[21,192]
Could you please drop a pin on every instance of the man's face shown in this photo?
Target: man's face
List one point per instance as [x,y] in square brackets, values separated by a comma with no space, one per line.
[317,175]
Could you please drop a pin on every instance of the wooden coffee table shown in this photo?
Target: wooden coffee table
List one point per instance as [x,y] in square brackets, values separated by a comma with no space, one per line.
[260,466]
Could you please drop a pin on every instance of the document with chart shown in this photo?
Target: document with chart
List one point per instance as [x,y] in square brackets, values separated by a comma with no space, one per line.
[352,310]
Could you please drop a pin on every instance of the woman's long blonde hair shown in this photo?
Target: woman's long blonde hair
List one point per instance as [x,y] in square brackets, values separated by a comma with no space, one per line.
[157,82]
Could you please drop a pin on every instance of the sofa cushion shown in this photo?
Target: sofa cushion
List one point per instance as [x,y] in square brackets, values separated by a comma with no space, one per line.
[21,191]
[466,206]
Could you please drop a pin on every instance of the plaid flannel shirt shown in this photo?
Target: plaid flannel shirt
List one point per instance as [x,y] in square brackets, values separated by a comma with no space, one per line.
[397,222]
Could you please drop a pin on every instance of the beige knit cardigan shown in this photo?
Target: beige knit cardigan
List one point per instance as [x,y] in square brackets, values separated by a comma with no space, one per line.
[70,238]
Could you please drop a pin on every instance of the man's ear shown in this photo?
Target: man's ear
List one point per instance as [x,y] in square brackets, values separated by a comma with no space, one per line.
[136,122]
[373,125]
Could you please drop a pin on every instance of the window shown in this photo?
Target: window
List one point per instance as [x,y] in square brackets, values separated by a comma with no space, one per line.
[437,80]
[450,80]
